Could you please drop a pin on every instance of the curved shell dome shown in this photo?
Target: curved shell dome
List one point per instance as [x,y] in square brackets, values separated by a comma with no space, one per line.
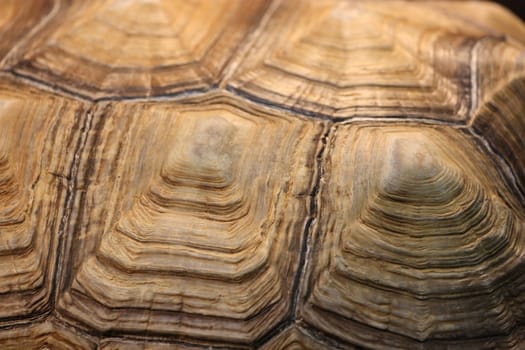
[267,174]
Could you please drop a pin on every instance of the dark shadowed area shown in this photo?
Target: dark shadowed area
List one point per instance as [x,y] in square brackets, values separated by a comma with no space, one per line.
[516,6]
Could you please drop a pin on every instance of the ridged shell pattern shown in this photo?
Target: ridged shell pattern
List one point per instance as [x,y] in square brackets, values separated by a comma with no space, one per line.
[414,240]
[31,193]
[344,58]
[171,47]
[208,220]
[12,208]
[266,174]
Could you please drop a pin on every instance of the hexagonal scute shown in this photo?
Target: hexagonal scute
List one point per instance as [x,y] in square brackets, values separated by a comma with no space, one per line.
[38,133]
[191,220]
[45,335]
[379,58]
[17,21]
[362,58]
[105,48]
[415,243]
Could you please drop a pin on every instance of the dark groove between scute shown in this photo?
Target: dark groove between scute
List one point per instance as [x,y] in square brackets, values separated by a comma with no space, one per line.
[312,215]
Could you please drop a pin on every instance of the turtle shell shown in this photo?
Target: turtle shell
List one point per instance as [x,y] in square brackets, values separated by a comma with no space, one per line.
[261,175]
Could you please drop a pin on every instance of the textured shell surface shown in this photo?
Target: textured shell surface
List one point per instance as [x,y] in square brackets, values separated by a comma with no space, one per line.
[266,174]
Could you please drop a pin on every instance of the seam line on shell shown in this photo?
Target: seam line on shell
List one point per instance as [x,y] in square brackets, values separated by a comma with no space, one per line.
[32,33]
[313,208]
[248,42]
[64,239]
[473,81]
[43,85]
[313,214]
[503,168]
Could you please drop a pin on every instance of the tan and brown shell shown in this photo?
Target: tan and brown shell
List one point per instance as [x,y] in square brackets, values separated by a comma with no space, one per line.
[235,174]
